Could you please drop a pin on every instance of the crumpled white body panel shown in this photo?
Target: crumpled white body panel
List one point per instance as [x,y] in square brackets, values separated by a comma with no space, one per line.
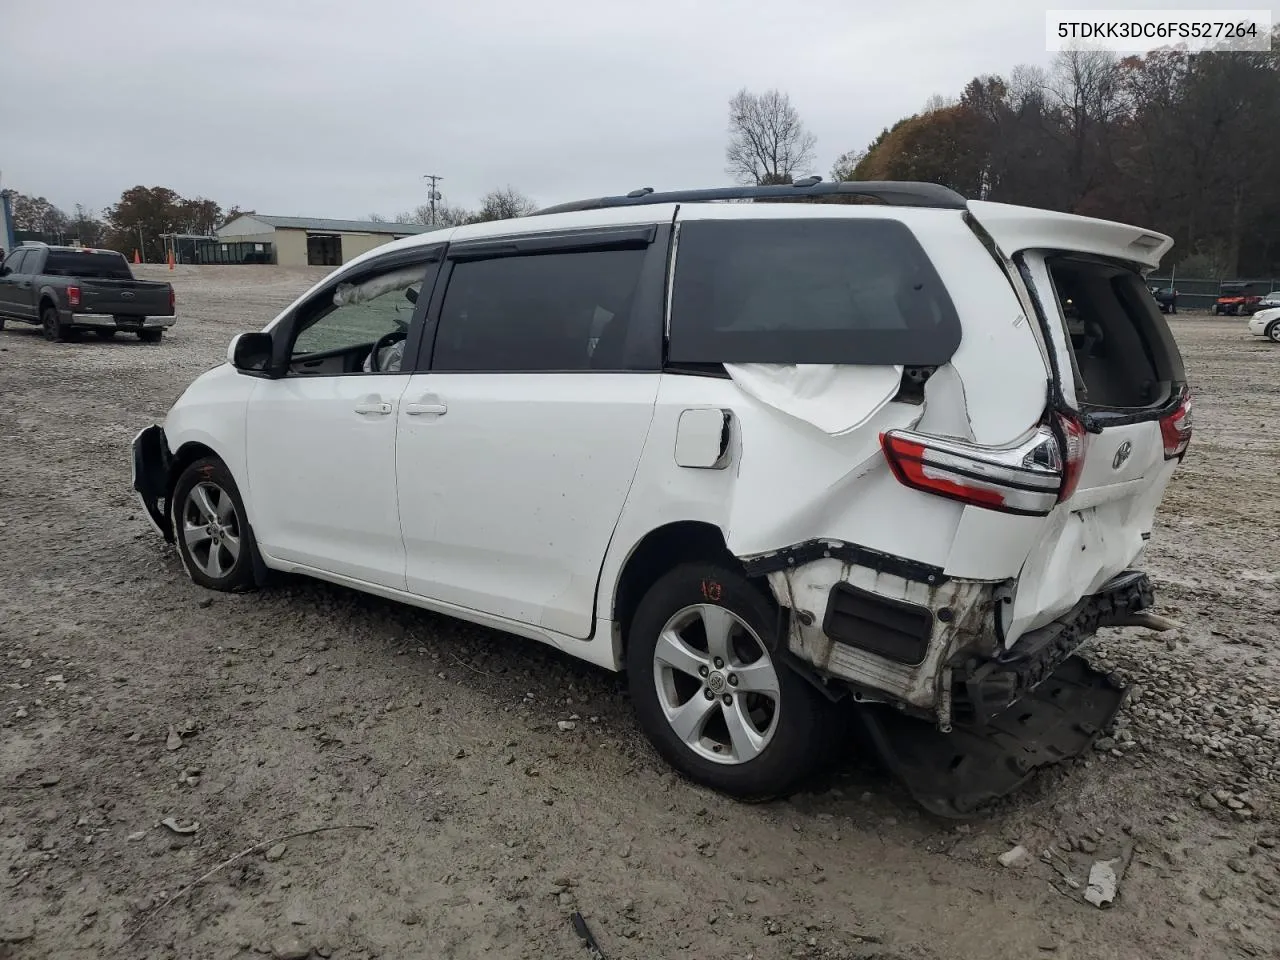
[835,398]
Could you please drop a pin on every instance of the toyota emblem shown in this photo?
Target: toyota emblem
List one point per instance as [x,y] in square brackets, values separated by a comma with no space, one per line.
[1122,454]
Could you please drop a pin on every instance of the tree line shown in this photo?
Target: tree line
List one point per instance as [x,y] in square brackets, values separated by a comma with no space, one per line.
[137,221]
[144,215]
[501,204]
[1180,143]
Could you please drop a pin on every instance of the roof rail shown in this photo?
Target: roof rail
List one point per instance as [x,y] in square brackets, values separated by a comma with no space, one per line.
[904,193]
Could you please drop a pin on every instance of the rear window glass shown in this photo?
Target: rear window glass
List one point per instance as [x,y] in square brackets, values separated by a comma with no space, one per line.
[76,263]
[808,291]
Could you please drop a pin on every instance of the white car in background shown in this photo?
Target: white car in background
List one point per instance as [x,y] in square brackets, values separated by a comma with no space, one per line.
[1266,323]
[761,456]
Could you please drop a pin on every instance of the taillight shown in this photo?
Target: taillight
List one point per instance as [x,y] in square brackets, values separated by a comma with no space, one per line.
[73,296]
[1026,479]
[172,300]
[1074,441]
[1175,429]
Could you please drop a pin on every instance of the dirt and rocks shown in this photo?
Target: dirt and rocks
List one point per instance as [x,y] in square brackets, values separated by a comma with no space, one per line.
[488,787]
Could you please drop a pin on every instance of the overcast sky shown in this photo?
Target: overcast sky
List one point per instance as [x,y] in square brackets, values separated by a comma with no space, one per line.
[333,108]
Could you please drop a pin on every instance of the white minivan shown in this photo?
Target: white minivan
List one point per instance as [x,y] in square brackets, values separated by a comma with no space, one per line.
[763,456]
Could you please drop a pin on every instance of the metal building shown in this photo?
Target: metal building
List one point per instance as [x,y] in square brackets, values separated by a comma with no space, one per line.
[307,241]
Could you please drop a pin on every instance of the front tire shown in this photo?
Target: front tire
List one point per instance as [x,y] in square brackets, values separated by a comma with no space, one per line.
[1273,331]
[710,691]
[213,535]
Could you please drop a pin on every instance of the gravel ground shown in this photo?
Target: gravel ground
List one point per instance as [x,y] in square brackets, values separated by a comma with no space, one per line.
[128,696]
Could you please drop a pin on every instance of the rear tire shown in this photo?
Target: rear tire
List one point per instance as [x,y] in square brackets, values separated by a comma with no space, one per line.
[210,527]
[1,323]
[105,334]
[150,336]
[710,691]
[54,330]
[1273,331]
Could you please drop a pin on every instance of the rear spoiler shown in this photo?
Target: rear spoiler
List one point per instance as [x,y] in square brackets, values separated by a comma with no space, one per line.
[1025,228]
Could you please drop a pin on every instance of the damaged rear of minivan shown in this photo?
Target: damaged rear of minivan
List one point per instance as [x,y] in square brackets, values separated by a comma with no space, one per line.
[945,504]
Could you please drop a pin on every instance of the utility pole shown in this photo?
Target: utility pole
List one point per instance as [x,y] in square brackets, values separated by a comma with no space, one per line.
[434,195]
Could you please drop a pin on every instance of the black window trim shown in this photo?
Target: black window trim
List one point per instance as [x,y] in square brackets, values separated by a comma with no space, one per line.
[285,333]
[645,345]
[635,237]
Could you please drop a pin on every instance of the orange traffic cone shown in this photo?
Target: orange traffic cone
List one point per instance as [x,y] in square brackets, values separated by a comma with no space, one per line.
[136,258]
[170,259]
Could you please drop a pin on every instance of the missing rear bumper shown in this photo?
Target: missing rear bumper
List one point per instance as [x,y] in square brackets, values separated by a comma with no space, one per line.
[984,688]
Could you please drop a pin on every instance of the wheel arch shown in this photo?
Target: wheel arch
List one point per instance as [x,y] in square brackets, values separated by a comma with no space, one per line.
[658,551]
[187,454]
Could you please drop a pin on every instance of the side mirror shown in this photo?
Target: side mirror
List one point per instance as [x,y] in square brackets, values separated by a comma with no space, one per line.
[251,352]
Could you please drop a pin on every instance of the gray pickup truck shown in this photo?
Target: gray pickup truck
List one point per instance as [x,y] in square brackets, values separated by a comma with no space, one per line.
[70,289]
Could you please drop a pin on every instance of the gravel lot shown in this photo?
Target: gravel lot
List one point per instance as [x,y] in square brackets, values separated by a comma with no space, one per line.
[128,696]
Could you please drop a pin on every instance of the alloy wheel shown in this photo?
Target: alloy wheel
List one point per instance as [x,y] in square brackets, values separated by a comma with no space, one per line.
[717,685]
[211,529]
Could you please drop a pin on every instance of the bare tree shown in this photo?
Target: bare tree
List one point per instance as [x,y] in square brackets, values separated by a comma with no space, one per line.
[446,215]
[846,164]
[503,204]
[1027,84]
[376,218]
[86,226]
[1085,88]
[768,142]
[938,102]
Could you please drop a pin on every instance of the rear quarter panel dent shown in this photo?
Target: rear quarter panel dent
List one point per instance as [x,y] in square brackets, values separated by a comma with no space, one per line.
[998,360]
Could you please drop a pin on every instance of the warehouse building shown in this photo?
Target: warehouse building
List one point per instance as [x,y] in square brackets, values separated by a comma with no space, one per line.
[306,241]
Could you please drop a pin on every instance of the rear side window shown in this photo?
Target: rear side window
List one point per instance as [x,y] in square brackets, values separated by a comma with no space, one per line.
[88,266]
[808,291]
[14,261]
[547,312]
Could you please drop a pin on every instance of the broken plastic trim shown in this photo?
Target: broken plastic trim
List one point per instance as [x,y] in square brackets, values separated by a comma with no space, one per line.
[985,688]
[152,463]
[811,550]
[959,774]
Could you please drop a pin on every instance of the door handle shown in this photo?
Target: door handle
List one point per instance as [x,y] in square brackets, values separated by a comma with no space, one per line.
[381,409]
[438,409]
[24,286]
